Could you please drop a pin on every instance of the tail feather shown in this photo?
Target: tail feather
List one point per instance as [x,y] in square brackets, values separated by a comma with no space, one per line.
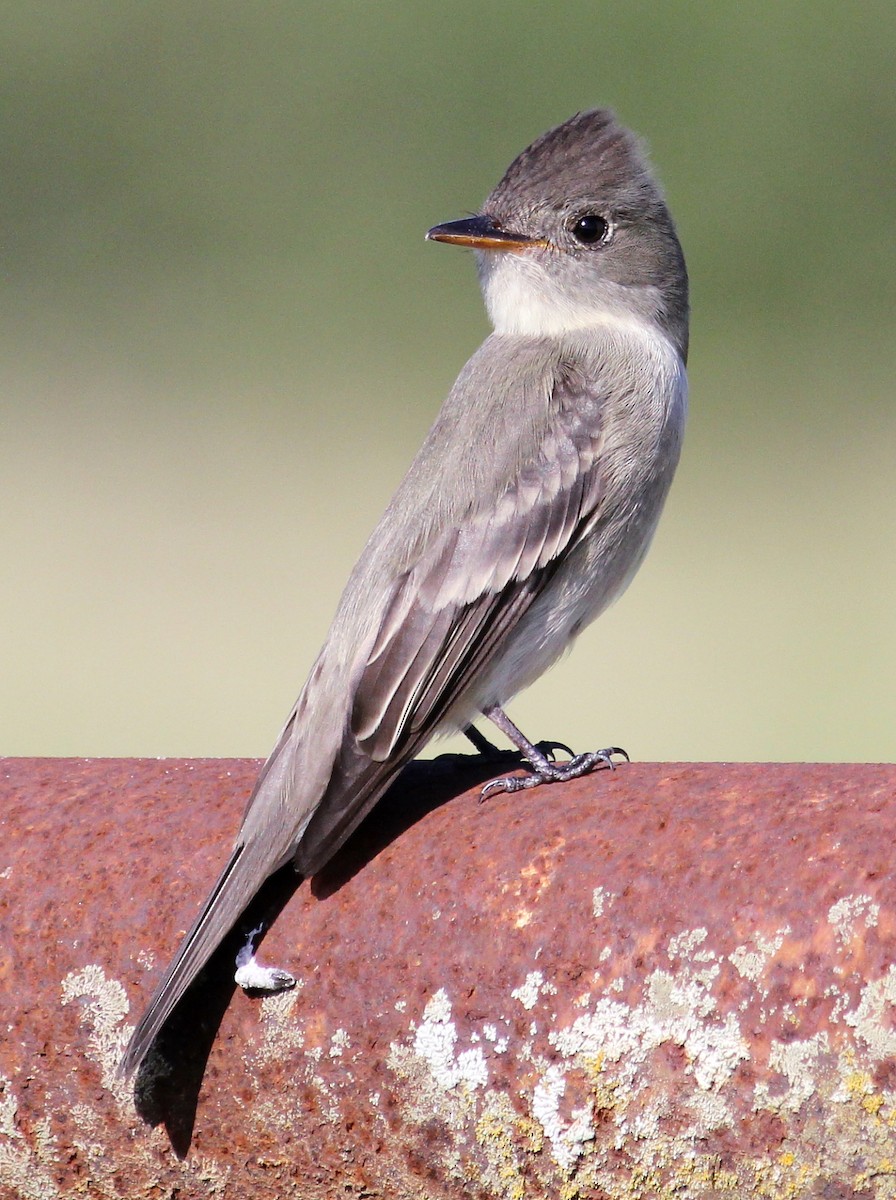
[236,885]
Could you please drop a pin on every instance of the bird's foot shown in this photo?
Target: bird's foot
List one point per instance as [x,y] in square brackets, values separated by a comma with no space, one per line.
[251,976]
[540,757]
[544,770]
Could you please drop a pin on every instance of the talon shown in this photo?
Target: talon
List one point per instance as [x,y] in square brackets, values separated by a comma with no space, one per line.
[549,749]
[506,783]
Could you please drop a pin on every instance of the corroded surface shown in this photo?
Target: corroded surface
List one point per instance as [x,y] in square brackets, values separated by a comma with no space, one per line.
[672,980]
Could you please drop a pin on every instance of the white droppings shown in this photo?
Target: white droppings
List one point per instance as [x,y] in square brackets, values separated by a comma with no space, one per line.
[601,901]
[251,976]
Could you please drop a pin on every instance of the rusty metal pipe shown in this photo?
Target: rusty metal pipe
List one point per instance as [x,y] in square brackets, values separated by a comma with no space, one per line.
[665,980]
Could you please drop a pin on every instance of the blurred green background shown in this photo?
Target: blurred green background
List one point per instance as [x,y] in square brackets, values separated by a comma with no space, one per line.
[223,338]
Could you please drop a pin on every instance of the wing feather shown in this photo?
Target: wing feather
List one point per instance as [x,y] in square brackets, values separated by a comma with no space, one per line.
[450,612]
[447,614]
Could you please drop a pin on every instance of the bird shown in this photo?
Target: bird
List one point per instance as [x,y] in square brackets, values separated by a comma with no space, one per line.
[526,511]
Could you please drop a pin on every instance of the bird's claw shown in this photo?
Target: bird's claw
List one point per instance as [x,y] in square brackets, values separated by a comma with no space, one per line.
[551,771]
[549,749]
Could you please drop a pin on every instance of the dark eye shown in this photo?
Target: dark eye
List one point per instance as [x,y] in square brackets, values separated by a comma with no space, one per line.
[590,229]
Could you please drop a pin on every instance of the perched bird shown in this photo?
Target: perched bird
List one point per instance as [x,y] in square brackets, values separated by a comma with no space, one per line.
[527,510]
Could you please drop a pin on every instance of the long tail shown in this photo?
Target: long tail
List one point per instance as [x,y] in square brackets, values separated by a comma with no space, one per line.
[235,888]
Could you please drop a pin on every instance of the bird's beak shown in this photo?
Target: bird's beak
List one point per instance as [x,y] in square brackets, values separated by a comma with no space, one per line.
[482,234]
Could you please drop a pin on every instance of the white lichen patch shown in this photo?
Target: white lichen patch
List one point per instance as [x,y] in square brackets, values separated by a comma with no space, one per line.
[800,1063]
[601,901]
[499,1043]
[282,1035]
[440,1079]
[213,1177]
[684,944]
[339,1042]
[435,1041]
[567,1138]
[851,914]
[535,985]
[617,1085]
[105,1009]
[24,1168]
[751,961]
[874,1020]
[146,960]
[678,1009]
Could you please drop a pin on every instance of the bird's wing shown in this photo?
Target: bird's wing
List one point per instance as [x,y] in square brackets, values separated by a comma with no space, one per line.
[449,614]
[440,621]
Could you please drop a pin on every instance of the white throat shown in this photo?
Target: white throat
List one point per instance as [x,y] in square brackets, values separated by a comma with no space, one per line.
[521,299]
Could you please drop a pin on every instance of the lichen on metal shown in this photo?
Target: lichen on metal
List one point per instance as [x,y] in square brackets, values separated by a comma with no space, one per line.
[671,980]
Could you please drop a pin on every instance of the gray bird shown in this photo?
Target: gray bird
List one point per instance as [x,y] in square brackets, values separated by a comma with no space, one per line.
[527,510]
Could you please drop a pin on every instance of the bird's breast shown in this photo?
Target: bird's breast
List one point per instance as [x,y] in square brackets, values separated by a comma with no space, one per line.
[642,388]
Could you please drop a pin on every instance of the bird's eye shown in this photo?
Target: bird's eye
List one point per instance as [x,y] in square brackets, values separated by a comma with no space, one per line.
[590,229]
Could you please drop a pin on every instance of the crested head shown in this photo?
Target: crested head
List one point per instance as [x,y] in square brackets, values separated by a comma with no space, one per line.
[590,157]
[595,241]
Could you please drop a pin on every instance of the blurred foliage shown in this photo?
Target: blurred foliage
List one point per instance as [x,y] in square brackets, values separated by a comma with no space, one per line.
[224,337]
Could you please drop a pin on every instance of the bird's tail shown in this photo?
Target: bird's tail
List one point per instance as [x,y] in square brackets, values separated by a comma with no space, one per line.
[235,888]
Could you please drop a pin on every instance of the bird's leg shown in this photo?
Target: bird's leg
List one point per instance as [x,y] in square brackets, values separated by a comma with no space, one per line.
[251,976]
[489,750]
[481,744]
[544,769]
